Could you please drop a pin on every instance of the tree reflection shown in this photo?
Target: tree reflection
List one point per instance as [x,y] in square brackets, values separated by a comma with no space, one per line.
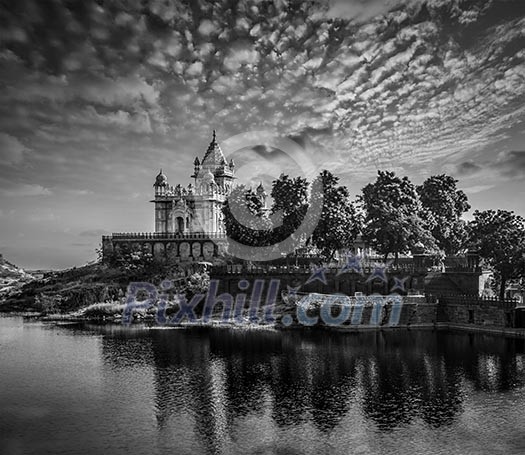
[218,377]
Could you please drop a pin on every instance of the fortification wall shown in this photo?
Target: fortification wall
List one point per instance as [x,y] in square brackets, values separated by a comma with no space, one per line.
[164,247]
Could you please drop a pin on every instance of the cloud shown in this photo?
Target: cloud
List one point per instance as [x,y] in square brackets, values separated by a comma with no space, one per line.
[43,216]
[511,164]
[207,27]
[195,69]
[477,188]
[26,189]
[12,150]
[108,94]
[107,91]
[239,54]
[77,192]
[468,168]
[13,34]
[360,10]
[508,164]
[138,122]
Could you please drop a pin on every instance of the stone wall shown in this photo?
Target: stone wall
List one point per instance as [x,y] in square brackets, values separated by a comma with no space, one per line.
[330,282]
[477,311]
[478,315]
[165,248]
[374,314]
[421,314]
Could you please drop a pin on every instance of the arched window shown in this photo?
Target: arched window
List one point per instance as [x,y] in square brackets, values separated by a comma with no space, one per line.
[180,224]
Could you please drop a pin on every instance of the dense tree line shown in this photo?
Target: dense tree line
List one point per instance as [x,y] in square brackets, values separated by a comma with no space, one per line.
[391,214]
[336,229]
[500,237]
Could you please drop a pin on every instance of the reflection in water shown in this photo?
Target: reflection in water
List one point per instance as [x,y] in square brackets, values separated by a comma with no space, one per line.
[220,375]
[109,389]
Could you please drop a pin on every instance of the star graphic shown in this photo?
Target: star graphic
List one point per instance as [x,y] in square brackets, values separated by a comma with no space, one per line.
[353,264]
[379,272]
[318,274]
[293,291]
[399,283]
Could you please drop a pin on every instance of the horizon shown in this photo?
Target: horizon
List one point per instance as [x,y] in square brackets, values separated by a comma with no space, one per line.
[96,99]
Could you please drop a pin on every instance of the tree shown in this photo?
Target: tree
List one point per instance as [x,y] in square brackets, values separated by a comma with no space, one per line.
[393,222]
[244,217]
[500,239]
[339,223]
[290,204]
[446,204]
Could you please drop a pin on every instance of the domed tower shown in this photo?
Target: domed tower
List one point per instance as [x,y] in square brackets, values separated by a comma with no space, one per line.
[162,203]
[214,178]
[161,181]
[197,208]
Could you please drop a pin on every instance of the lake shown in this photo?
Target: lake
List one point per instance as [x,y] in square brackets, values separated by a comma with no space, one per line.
[82,389]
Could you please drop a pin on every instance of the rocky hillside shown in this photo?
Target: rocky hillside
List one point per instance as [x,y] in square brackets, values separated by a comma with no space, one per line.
[12,278]
[64,290]
[69,290]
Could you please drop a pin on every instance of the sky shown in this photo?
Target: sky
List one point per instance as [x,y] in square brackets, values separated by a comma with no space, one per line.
[96,96]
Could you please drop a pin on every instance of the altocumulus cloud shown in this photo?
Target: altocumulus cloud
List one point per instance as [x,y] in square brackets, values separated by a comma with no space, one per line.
[12,149]
[27,189]
[96,95]
[507,163]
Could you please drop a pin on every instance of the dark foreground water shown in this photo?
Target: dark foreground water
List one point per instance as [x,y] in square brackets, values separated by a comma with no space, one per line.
[109,390]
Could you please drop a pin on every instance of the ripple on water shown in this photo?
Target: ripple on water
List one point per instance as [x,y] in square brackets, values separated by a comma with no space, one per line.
[219,390]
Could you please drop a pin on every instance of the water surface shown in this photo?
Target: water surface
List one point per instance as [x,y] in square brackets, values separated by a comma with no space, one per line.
[108,389]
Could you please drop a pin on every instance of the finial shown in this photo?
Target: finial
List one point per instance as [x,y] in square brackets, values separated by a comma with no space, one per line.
[214,135]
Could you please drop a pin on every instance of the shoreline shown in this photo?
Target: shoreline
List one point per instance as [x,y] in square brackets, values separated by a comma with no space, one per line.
[150,323]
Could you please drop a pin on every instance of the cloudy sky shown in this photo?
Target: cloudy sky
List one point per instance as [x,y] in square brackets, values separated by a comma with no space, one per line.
[96,96]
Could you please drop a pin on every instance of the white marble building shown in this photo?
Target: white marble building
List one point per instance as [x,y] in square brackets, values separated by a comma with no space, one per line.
[197,207]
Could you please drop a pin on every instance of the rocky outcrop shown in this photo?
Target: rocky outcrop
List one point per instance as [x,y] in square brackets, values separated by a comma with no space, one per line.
[12,278]
[68,290]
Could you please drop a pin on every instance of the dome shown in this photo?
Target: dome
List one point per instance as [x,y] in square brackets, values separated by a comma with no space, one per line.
[208,177]
[161,179]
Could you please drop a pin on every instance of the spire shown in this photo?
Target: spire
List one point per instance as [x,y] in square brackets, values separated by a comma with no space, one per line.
[213,156]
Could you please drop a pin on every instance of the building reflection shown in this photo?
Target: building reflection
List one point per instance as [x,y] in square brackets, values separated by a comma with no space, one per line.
[186,382]
[215,378]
